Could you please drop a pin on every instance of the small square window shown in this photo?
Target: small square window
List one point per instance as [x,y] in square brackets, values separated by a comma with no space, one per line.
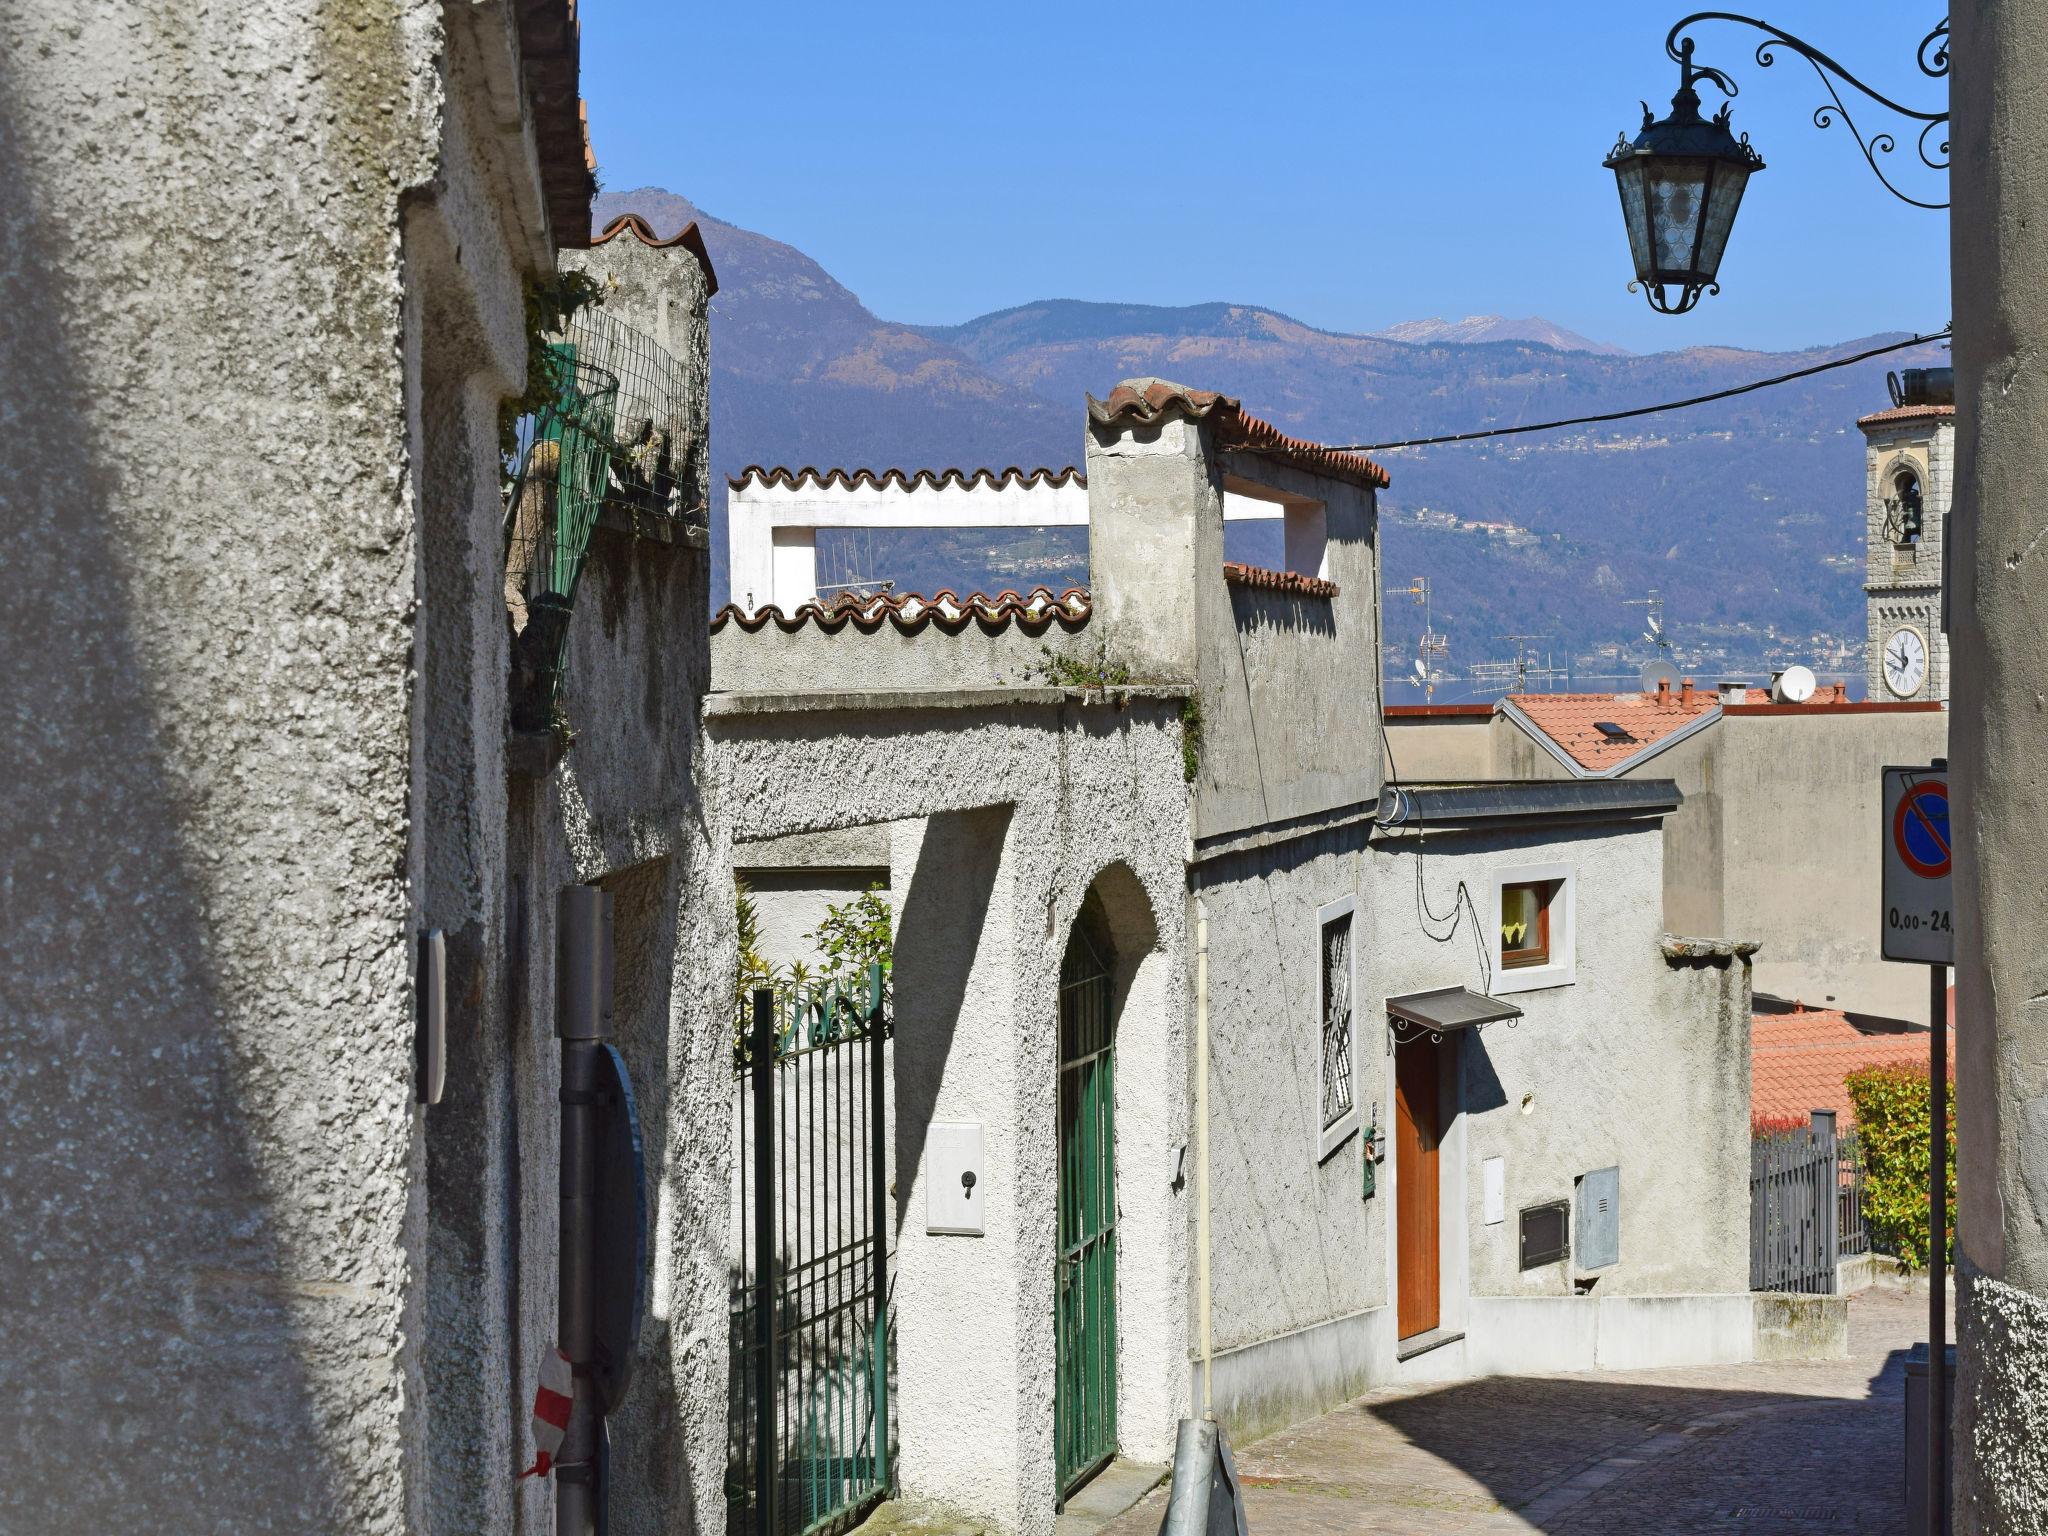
[1525,923]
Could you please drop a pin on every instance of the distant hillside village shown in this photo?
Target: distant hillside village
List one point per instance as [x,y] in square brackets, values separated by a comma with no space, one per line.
[546,1005]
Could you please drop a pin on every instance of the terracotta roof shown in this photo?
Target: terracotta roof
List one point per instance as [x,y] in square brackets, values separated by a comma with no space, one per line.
[1895,413]
[690,239]
[550,50]
[1277,581]
[1798,1061]
[1033,612]
[1831,703]
[1569,719]
[755,474]
[1147,400]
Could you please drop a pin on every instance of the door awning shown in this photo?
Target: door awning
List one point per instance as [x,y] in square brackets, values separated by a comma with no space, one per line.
[1448,1008]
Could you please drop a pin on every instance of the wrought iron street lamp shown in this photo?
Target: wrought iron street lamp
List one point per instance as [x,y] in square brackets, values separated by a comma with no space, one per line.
[1681,182]
[1682,178]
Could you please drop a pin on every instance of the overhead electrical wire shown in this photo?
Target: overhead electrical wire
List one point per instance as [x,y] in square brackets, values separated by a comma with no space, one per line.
[1644,410]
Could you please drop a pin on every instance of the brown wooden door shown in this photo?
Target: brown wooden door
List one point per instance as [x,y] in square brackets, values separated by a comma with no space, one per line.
[1418,1306]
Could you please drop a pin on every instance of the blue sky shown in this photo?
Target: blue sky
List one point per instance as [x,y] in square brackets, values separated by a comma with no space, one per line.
[1351,165]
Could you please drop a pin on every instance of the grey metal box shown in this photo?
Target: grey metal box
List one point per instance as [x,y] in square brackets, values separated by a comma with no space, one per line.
[1599,1218]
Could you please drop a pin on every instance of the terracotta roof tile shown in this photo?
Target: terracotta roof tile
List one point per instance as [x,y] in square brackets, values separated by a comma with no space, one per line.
[1234,428]
[1569,719]
[754,474]
[690,239]
[1277,581]
[1799,1061]
[1897,413]
[1034,612]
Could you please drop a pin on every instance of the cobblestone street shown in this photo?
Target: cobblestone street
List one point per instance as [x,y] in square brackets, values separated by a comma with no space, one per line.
[1765,1450]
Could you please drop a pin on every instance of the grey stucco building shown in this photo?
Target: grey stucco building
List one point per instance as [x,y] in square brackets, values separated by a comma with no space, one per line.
[263,271]
[1315,1193]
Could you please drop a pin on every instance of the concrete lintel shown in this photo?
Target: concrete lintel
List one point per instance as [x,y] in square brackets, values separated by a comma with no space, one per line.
[1677,947]
[781,703]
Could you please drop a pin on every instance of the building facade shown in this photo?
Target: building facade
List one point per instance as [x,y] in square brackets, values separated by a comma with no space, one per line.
[1330,982]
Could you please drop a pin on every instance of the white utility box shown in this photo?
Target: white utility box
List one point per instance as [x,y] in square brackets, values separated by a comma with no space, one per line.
[954,1190]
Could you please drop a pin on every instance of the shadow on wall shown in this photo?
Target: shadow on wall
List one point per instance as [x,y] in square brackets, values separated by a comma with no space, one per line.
[1257,608]
[938,934]
[160,1340]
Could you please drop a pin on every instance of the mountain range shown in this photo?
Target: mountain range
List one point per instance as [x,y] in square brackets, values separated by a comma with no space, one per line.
[1744,516]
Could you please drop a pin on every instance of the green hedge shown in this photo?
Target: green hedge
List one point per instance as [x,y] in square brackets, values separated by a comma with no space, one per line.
[1892,1108]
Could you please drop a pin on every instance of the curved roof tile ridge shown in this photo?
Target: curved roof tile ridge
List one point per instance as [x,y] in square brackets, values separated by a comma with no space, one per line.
[1148,400]
[1034,612]
[690,238]
[1277,581]
[931,479]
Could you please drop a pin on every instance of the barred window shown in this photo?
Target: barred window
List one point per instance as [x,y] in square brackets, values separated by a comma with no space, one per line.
[1336,970]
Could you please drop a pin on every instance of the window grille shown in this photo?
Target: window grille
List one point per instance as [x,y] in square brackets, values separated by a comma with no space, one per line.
[1336,1019]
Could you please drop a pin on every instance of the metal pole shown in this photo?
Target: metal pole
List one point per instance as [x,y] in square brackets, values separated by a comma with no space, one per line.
[878,1123]
[761,1061]
[583,991]
[1937,1250]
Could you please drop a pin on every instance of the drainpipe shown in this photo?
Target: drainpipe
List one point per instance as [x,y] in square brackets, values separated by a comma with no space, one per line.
[583,992]
[1202,1139]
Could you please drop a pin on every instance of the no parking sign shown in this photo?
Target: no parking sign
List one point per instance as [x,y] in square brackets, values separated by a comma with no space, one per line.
[1917,920]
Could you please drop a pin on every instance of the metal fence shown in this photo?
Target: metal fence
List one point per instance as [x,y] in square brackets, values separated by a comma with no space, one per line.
[808,1446]
[1852,1232]
[1795,1208]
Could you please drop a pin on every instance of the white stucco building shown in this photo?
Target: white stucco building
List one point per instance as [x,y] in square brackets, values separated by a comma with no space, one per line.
[1440,1098]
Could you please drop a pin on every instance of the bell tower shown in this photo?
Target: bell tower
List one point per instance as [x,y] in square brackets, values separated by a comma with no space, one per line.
[1909,459]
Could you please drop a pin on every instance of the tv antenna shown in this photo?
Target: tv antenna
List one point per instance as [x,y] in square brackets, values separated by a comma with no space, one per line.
[1653,619]
[1432,648]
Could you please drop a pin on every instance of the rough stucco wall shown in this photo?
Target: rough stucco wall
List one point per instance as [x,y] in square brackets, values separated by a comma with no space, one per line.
[1635,1063]
[1802,845]
[1292,1240]
[211,1184]
[1999,608]
[812,658]
[631,806]
[1029,802]
[1290,685]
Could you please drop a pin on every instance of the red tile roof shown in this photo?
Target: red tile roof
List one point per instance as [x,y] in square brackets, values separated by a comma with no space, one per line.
[1799,1061]
[1568,719]
[1234,427]
[1277,581]
[690,239]
[1898,413]
[1034,612]
[876,479]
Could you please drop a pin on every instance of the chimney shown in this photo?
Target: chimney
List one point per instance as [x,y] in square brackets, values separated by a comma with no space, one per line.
[1686,696]
[1734,693]
[1663,691]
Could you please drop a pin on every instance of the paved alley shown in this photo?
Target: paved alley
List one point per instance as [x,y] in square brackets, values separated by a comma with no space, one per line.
[1765,1450]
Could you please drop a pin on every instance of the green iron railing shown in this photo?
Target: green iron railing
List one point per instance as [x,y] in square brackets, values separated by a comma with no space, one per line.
[554,505]
[1084,1302]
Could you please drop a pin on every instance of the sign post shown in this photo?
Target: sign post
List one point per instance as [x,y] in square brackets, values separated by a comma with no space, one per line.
[1917,924]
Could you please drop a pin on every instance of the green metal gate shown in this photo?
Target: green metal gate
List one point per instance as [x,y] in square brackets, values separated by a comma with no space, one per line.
[1084,1304]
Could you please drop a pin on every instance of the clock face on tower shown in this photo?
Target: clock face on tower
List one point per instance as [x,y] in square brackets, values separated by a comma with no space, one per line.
[1905,661]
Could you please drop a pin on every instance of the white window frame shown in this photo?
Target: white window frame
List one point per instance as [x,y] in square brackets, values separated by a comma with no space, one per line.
[1564,928]
[1344,1127]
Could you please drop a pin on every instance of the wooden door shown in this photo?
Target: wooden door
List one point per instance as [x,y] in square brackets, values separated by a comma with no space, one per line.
[1418,1306]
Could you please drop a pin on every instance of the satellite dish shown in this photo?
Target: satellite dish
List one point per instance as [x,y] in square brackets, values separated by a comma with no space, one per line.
[1421,670]
[1794,685]
[1658,674]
